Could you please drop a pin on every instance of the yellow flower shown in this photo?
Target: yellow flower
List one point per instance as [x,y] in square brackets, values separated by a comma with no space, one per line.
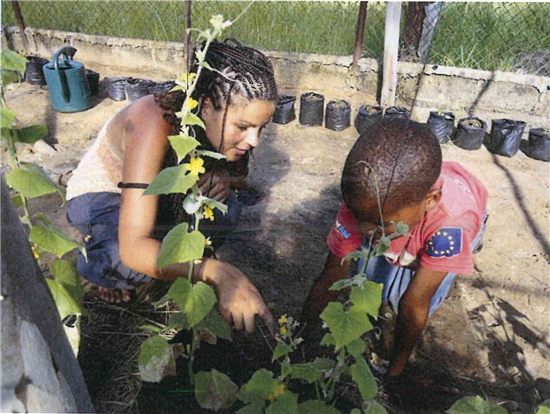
[207,241]
[283,319]
[195,167]
[282,330]
[208,213]
[190,103]
[35,252]
[278,392]
[186,80]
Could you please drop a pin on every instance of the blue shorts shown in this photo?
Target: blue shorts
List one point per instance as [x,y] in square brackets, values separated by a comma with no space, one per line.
[96,217]
[396,279]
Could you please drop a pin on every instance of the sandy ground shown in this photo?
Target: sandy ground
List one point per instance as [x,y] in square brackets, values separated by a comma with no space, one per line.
[494,326]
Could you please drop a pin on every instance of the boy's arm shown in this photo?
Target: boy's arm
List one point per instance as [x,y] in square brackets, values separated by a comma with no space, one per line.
[414,308]
[320,295]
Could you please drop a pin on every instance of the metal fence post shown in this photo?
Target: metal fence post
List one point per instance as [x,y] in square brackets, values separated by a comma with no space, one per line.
[360,32]
[391,47]
[21,23]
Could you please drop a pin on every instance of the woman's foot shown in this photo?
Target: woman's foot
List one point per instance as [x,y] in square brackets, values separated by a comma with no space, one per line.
[114,295]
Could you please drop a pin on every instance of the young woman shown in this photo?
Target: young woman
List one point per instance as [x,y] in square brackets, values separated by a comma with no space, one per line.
[123,229]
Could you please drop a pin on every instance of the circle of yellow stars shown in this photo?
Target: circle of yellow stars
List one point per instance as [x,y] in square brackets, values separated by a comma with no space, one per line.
[451,242]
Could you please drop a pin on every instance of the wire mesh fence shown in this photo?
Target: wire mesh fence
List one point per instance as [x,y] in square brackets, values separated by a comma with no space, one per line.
[489,36]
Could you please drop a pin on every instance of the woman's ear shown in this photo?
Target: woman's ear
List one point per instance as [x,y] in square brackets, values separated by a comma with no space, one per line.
[433,198]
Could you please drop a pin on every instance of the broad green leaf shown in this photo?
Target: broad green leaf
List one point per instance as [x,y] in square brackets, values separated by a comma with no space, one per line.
[17,200]
[215,204]
[178,320]
[312,371]
[183,144]
[368,298]
[285,404]
[211,154]
[13,61]
[8,117]
[345,326]
[195,300]
[216,323]
[9,76]
[328,340]
[179,246]
[362,375]
[33,182]
[373,407]
[66,304]
[475,405]
[172,180]
[544,408]
[256,407]
[401,228]
[73,335]
[190,119]
[280,350]
[259,388]
[286,369]
[154,357]
[356,348]
[317,407]
[51,239]
[65,272]
[29,134]
[214,390]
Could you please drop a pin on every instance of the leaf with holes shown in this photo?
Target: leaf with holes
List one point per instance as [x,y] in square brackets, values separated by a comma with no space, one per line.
[368,298]
[345,326]
[215,391]
[179,246]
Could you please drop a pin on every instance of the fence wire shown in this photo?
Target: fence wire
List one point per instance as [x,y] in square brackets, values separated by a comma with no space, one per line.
[489,36]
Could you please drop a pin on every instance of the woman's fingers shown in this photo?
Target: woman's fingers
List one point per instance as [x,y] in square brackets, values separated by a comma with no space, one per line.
[268,318]
[238,320]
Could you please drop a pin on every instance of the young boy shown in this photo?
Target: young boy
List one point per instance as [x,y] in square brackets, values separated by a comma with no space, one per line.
[441,202]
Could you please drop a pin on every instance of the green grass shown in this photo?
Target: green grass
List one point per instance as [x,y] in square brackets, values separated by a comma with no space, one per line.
[490,36]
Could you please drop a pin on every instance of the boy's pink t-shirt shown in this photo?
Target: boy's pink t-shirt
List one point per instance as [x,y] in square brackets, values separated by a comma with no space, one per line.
[442,240]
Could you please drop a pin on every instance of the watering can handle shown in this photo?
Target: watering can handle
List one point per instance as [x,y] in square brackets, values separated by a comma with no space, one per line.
[69,52]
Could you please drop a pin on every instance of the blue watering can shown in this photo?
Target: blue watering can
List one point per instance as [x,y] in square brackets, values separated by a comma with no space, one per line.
[67,82]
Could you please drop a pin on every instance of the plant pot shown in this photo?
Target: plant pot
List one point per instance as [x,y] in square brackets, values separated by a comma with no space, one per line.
[137,88]
[338,115]
[397,112]
[470,133]
[442,125]
[366,116]
[33,71]
[505,137]
[538,144]
[311,109]
[161,87]
[116,88]
[93,81]
[285,112]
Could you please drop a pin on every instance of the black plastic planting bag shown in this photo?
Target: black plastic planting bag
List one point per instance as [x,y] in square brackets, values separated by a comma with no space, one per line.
[137,88]
[33,71]
[538,145]
[311,109]
[397,112]
[161,87]
[116,88]
[470,133]
[285,112]
[505,137]
[93,80]
[338,115]
[366,116]
[442,125]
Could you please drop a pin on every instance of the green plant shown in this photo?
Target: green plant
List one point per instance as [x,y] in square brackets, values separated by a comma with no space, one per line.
[31,181]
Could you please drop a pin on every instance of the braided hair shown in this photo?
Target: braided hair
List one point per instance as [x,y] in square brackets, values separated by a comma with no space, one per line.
[237,70]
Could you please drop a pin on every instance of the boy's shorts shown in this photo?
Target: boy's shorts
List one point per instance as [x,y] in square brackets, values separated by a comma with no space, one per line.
[396,279]
[96,217]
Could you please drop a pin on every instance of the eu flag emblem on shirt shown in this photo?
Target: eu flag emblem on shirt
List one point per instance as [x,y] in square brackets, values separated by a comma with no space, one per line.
[446,242]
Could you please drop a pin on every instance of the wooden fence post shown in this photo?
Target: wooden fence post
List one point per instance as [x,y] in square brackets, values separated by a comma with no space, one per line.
[21,23]
[360,32]
[391,48]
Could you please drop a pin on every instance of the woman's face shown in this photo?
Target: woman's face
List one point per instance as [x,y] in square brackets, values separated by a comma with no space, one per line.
[244,123]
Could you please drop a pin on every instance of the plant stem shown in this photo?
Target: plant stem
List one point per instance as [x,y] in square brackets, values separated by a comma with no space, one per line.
[192,358]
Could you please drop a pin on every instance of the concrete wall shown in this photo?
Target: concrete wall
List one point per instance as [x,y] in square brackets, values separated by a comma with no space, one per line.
[488,95]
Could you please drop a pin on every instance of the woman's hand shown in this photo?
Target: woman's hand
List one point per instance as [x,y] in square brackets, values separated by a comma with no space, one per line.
[215,185]
[238,298]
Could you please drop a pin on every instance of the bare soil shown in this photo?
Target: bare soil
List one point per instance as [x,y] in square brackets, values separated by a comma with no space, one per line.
[489,338]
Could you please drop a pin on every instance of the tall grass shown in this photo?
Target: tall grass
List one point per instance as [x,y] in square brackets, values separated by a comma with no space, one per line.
[490,36]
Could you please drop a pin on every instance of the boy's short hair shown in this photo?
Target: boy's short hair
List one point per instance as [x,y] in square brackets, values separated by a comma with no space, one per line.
[418,165]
